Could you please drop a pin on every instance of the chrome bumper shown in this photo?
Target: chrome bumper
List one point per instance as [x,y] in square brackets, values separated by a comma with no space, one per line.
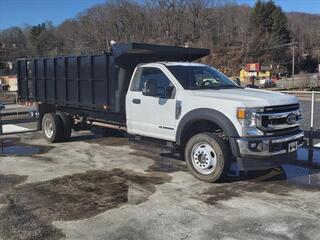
[271,146]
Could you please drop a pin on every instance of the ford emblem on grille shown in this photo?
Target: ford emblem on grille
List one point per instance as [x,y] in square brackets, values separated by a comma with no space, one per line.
[291,119]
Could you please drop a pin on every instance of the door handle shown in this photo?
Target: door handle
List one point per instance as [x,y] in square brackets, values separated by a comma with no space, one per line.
[136,101]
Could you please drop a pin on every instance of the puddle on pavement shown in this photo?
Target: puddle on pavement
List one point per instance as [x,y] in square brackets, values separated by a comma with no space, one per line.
[73,197]
[14,147]
[306,155]
[302,176]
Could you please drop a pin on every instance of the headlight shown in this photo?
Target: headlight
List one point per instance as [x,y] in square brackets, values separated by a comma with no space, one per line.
[247,118]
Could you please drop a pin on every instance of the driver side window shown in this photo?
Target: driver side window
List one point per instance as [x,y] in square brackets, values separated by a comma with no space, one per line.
[152,74]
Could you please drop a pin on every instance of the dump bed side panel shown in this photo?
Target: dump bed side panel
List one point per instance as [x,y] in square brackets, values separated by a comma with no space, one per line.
[80,82]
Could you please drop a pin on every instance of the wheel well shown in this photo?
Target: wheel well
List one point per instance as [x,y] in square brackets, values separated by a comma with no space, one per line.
[200,126]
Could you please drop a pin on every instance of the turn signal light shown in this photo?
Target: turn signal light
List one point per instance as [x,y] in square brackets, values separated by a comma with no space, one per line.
[241,113]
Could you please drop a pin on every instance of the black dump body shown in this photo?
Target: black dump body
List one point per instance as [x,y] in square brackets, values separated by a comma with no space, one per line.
[93,85]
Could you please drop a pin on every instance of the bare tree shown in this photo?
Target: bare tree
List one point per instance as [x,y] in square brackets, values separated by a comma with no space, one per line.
[221,25]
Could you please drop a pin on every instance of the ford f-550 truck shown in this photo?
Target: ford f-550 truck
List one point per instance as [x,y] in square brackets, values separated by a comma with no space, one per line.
[155,92]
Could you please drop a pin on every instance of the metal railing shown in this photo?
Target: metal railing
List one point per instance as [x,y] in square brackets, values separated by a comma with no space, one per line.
[15,112]
[310,107]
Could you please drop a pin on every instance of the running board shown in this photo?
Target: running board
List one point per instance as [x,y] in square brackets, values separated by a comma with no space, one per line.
[153,141]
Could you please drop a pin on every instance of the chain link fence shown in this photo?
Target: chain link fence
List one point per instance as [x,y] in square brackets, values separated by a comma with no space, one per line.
[16,115]
[310,106]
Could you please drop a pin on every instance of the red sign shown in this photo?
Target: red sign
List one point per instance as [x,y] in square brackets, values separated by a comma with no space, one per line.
[253,67]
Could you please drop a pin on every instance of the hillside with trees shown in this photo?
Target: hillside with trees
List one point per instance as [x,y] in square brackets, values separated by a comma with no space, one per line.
[236,34]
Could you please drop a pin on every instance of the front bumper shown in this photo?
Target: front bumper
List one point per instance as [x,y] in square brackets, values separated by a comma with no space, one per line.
[272,153]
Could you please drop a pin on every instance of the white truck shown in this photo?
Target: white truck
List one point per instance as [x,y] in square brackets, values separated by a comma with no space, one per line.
[141,89]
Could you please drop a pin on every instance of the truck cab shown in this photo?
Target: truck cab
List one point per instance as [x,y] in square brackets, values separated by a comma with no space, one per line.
[210,118]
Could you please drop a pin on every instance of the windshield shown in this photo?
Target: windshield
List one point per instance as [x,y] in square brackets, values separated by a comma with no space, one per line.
[200,77]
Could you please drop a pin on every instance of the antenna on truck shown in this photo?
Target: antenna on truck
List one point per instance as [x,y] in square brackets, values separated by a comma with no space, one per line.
[110,44]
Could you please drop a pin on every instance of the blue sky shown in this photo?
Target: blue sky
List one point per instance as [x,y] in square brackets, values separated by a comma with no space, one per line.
[309,6]
[20,12]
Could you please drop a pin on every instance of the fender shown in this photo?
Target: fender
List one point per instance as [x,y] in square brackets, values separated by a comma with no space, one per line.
[206,114]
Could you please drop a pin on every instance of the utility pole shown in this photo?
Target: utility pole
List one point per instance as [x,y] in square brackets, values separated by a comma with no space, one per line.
[318,64]
[292,75]
[292,44]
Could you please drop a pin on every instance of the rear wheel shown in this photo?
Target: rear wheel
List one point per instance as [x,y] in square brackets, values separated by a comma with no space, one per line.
[67,125]
[207,157]
[52,127]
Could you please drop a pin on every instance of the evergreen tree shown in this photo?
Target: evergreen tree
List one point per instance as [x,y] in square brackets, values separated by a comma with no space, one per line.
[42,39]
[268,28]
[261,18]
[267,18]
[280,32]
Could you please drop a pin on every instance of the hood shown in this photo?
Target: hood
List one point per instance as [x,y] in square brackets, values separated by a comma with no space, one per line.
[249,97]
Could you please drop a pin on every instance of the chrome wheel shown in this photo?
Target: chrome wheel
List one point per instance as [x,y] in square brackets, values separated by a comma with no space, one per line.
[204,158]
[48,128]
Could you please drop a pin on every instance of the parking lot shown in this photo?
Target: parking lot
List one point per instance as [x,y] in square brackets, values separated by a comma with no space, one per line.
[112,188]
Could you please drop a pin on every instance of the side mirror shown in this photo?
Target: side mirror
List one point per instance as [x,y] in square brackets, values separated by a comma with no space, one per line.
[169,91]
[150,88]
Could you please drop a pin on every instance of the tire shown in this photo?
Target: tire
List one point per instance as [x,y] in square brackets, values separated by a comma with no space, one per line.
[52,127]
[207,157]
[67,125]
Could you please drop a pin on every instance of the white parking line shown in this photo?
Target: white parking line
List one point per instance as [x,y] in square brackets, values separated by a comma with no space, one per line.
[11,128]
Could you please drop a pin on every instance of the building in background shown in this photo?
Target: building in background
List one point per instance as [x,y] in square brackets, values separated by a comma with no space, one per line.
[255,70]
[9,83]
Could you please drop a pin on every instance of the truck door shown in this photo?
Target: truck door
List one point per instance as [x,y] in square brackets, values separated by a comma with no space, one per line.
[150,104]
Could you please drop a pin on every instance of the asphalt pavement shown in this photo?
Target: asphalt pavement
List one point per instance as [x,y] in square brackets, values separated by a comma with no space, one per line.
[112,188]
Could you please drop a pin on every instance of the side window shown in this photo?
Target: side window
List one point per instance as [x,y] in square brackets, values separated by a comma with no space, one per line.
[148,73]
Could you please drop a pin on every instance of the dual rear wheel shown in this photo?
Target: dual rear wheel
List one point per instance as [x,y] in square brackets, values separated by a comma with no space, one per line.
[56,127]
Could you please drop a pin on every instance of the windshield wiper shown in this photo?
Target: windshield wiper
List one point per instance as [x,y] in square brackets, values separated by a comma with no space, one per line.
[229,86]
[207,87]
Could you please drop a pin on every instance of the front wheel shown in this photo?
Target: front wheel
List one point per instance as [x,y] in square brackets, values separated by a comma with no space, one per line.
[207,157]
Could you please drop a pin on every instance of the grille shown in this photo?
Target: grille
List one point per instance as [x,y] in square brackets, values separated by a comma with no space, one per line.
[282,108]
[275,118]
[266,121]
